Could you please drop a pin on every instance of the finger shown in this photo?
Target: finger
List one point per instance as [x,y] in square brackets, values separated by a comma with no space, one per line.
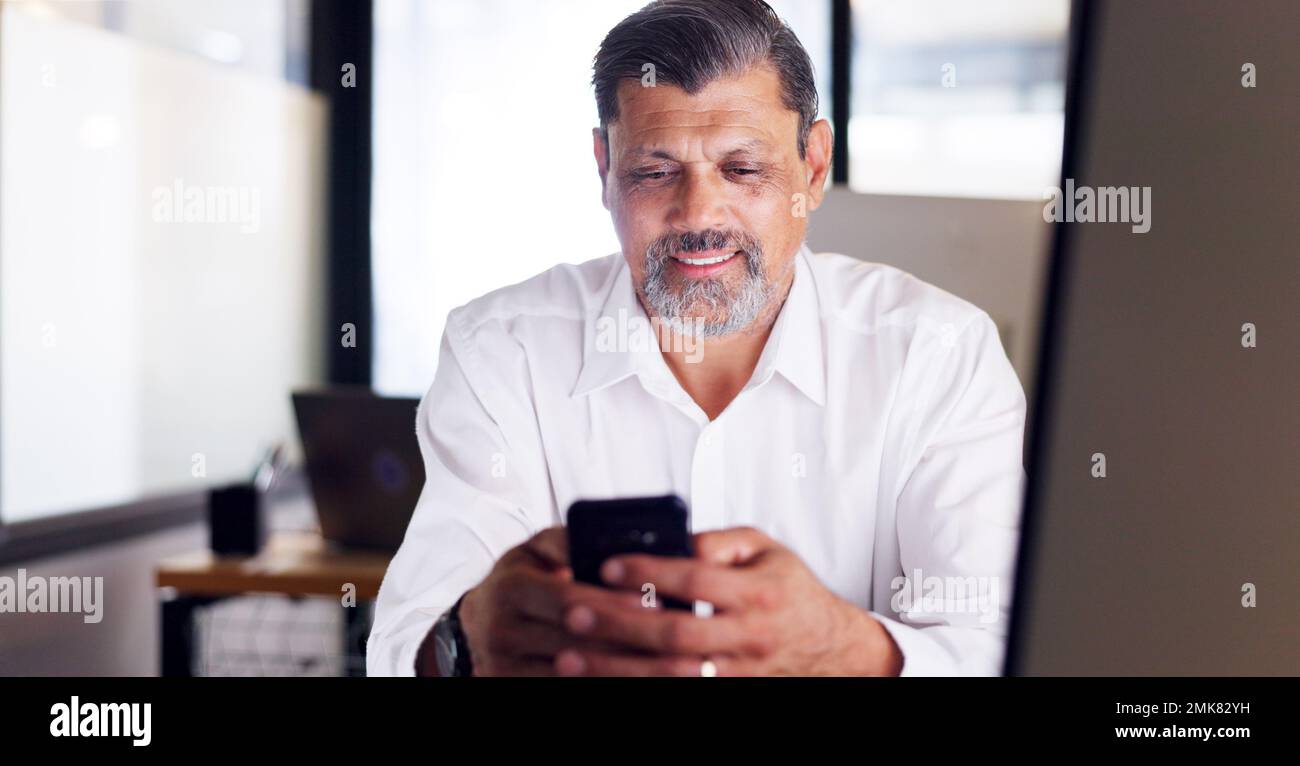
[683,578]
[545,597]
[592,663]
[524,637]
[532,667]
[662,631]
[734,665]
[731,547]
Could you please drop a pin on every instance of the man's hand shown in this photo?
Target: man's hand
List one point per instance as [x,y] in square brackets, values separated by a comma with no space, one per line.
[513,620]
[772,617]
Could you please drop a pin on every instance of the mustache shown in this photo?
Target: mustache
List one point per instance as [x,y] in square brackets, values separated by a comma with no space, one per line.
[667,245]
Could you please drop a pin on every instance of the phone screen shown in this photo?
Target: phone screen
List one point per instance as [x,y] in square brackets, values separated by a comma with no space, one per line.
[598,529]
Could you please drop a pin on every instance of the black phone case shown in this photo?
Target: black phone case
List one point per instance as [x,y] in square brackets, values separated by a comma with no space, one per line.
[598,529]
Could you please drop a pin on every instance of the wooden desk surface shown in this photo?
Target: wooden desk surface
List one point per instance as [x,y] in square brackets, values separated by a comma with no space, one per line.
[293,563]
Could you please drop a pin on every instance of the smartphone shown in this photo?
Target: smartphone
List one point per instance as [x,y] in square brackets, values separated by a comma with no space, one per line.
[598,529]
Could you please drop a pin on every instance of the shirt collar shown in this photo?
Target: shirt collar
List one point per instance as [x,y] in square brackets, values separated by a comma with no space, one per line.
[610,351]
[794,348]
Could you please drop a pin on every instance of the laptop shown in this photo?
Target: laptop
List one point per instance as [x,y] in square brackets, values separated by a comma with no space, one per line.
[1162,516]
[363,464]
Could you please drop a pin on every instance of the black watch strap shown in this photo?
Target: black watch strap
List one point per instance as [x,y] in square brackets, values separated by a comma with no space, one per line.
[453,648]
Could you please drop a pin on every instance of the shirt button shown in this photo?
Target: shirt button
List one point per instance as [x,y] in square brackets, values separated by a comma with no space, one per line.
[708,440]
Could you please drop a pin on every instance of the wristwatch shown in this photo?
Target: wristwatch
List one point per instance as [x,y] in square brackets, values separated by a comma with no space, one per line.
[450,648]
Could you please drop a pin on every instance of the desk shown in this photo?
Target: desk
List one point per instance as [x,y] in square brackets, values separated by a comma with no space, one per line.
[292,564]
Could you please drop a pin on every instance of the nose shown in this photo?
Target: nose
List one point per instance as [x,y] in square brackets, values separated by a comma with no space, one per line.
[700,203]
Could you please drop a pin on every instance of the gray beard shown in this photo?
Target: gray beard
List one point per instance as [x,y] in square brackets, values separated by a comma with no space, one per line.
[694,310]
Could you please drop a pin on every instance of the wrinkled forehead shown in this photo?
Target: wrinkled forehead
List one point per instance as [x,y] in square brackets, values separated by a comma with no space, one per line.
[735,112]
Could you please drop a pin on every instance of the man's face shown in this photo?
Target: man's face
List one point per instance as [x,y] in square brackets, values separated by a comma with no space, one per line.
[703,192]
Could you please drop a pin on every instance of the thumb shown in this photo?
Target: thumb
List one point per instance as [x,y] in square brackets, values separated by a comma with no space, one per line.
[732,547]
[550,547]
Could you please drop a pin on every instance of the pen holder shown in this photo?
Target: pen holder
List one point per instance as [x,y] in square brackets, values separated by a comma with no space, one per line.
[236,520]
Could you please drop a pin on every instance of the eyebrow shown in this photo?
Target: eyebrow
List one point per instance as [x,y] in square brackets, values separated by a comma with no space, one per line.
[744,147]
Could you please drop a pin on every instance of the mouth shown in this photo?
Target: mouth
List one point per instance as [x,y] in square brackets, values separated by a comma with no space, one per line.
[702,264]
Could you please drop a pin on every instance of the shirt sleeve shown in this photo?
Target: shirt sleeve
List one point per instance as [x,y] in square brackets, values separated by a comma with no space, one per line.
[958,508]
[485,492]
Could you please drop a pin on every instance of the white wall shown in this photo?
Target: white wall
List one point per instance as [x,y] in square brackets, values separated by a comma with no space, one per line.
[128,343]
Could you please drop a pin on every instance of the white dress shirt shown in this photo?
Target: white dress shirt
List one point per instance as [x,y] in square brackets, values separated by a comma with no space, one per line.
[879,439]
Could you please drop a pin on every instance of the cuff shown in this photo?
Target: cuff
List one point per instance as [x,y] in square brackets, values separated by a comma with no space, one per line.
[922,655]
[395,654]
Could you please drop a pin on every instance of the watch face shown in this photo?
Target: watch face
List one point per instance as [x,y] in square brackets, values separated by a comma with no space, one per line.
[444,650]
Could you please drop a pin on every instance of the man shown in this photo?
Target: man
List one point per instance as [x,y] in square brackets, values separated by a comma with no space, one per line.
[845,435]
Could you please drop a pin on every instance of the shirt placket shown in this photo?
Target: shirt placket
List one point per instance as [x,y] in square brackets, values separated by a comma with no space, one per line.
[709,479]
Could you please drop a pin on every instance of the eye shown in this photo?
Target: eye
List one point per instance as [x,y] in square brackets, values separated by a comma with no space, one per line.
[743,171]
[651,174]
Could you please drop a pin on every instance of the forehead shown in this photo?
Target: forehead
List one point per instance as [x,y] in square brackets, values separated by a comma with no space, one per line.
[745,108]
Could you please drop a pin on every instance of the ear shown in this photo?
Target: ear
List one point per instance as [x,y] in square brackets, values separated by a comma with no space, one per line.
[600,148]
[817,160]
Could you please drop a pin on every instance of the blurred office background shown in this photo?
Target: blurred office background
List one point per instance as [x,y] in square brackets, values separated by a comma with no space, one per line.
[361,167]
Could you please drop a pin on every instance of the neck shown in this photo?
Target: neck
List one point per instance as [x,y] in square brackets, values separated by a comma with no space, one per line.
[714,370]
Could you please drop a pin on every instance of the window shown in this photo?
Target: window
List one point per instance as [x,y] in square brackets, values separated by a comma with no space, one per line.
[264,37]
[954,98]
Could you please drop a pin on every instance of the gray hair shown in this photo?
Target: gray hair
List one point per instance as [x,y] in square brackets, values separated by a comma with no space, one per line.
[691,43]
[692,312]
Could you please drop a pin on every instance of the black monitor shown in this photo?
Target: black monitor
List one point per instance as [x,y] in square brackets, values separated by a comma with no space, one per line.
[1162,519]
